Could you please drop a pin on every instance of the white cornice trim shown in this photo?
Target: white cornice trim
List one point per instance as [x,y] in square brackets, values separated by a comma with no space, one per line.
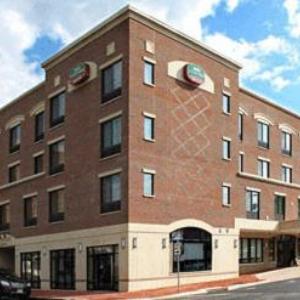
[287,128]
[14,121]
[111,172]
[263,118]
[111,116]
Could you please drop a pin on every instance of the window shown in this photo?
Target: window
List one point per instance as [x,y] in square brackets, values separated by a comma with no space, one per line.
[149,77]
[286,174]
[148,128]
[30,211]
[4,216]
[57,157]
[196,250]
[272,247]
[57,109]
[241,162]
[102,260]
[241,126]
[56,205]
[279,208]
[148,184]
[226,104]
[62,269]
[252,204]
[286,143]
[263,168]
[112,81]
[39,126]
[251,250]
[263,133]
[14,173]
[111,193]
[226,199]
[111,137]
[15,138]
[38,164]
[226,149]
[30,268]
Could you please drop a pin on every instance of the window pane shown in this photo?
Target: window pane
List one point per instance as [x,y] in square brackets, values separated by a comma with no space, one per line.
[148,184]
[148,128]
[149,73]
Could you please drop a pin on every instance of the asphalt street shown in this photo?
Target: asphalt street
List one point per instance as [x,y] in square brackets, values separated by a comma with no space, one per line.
[289,289]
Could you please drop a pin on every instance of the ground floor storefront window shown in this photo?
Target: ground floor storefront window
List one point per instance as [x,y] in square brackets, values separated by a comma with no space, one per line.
[196,250]
[62,269]
[30,268]
[251,250]
[102,268]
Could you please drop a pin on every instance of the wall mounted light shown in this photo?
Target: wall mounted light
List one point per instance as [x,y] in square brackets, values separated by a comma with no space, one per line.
[134,243]
[123,243]
[216,244]
[235,243]
[80,247]
[164,243]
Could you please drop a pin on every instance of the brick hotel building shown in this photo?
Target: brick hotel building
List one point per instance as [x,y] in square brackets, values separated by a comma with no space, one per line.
[139,134]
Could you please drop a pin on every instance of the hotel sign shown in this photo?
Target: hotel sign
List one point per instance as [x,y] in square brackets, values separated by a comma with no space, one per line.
[194,74]
[79,74]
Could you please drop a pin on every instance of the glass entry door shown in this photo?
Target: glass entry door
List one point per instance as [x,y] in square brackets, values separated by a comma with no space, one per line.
[102,268]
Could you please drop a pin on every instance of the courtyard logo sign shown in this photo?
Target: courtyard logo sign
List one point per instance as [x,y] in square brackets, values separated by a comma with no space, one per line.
[194,74]
[79,74]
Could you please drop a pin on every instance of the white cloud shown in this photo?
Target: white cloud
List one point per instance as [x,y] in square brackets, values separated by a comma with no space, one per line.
[256,57]
[232,5]
[293,10]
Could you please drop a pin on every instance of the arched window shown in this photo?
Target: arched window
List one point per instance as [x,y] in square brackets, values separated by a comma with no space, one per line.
[196,249]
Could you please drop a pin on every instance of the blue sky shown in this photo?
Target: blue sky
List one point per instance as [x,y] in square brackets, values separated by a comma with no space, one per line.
[263,35]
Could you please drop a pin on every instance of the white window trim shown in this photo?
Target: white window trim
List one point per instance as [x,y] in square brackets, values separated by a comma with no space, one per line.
[56,188]
[227,93]
[252,189]
[263,159]
[260,117]
[226,184]
[224,138]
[149,115]
[30,195]
[287,166]
[109,173]
[148,171]
[111,61]
[40,107]
[14,121]
[57,92]
[13,164]
[287,129]
[56,140]
[149,60]
[110,116]
[38,153]
[280,194]
[242,111]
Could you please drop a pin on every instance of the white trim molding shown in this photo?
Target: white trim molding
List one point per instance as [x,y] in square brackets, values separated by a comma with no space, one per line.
[38,153]
[110,116]
[108,173]
[56,188]
[227,184]
[38,108]
[58,139]
[146,114]
[243,111]
[14,121]
[15,163]
[30,195]
[280,194]
[57,92]
[263,158]
[149,59]
[111,61]
[263,118]
[148,171]
[225,138]
[287,128]
[4,202]
[252,189]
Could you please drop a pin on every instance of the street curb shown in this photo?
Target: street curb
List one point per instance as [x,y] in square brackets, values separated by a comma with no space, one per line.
[240,286]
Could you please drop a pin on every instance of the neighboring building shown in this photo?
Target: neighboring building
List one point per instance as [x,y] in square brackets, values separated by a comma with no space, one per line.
[140,135]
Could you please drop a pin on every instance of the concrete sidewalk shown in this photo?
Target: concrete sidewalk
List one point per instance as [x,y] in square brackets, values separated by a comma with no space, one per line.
[162,293]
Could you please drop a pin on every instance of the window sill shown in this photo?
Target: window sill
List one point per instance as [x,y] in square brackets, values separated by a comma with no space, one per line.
[150,84]
[226,159]
[109,156]
[149,140]
[263,148]
[8,185]
[226,205]
[110,212]
[54,127]
[149,196]
[56,174]
[228,114]
[110,100]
